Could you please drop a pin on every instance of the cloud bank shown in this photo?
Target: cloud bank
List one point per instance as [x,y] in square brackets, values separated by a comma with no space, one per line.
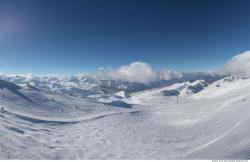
[239,66]
[138,72]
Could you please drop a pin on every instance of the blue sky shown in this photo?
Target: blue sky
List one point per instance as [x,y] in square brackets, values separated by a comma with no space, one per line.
[73,36]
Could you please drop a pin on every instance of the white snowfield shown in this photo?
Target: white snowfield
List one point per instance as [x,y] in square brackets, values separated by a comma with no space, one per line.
[211,124]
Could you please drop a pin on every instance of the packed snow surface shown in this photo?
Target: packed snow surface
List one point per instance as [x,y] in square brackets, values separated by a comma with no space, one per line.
[209,122]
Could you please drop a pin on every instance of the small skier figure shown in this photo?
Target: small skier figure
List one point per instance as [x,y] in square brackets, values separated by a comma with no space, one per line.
[62,110]
[109,106]
[52,99]
[2,109]
[3,96]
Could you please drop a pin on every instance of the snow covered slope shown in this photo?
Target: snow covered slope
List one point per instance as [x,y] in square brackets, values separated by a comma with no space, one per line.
[228,86]
[183,90]
[210,124]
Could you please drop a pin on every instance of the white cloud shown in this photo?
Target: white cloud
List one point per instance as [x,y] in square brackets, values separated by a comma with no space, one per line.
[239,65]
[139,72]
[168,74]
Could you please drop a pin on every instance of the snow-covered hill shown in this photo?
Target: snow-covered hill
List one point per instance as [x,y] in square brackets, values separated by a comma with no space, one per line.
[182,90]
[209,121]
[230,85]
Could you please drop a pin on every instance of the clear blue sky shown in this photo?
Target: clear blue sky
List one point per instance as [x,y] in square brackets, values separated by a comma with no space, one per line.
[72,36]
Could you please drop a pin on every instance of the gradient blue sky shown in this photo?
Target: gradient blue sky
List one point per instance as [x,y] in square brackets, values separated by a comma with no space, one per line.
[73,36]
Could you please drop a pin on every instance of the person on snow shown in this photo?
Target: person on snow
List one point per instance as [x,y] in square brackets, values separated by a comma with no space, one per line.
[109,106]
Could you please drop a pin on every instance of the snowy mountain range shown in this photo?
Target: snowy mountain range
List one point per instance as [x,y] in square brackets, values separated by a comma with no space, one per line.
[85,85]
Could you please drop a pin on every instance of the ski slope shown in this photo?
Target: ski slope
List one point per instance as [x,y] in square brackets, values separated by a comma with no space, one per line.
[210,124]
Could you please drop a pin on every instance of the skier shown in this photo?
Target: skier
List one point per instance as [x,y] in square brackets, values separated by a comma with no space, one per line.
[109,106]
[2,109]
[52,99]
[3,96]
[62,110]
